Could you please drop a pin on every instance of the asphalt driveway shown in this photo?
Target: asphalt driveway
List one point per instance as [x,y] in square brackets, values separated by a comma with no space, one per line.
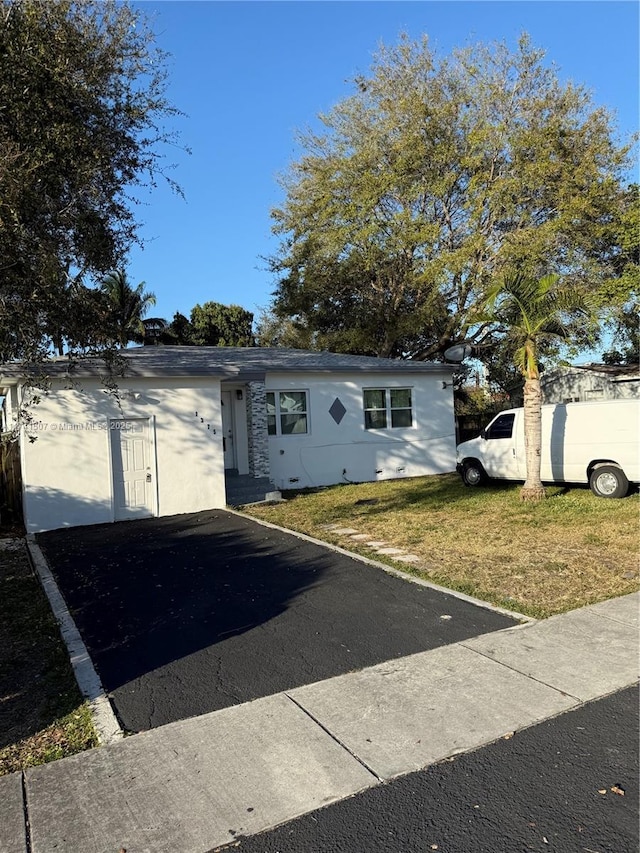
[193,613]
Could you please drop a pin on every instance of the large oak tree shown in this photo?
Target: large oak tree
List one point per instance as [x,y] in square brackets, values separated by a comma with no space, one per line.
[83,101]
[430,181]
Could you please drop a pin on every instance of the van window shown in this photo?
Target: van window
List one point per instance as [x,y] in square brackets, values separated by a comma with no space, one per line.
[502,427]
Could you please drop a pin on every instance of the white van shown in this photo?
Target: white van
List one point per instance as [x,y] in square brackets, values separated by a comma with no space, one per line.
[596,443]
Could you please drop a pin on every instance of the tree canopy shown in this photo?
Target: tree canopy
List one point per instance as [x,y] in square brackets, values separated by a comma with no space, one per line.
[83,94]
[430,181]
[621,294]
[215,325]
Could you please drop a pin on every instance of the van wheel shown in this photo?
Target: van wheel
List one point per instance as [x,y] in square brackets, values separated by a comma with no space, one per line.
[473,474]
[608,481]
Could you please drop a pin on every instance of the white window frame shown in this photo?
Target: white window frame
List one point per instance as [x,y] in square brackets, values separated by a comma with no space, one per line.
[280,412]
[388,409]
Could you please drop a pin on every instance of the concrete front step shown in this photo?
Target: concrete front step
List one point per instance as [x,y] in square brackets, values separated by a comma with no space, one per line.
[240,500]
[241,489]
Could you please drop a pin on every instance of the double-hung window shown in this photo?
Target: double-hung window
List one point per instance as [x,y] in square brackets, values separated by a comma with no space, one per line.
[287,412]
[387,408]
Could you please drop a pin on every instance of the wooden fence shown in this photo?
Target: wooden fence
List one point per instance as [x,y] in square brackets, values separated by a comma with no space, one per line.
[469,426]
[10,483]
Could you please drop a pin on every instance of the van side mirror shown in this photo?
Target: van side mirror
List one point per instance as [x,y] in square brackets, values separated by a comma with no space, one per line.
[483,434]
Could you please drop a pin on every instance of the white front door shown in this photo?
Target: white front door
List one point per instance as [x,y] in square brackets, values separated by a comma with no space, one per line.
[133,471]
[228,442]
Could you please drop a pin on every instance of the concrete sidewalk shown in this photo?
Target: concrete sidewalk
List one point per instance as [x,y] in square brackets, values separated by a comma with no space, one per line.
[194,785]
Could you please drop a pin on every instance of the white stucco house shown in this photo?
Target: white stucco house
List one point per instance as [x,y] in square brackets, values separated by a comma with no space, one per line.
[190,422]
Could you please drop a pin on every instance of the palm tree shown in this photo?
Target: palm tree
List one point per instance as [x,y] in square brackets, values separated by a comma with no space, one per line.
[127,306]
[532,311]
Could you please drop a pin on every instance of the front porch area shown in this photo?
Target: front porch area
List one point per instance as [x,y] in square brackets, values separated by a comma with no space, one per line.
[244,489]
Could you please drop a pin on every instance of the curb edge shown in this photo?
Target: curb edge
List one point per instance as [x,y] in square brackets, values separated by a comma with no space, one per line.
[104,719]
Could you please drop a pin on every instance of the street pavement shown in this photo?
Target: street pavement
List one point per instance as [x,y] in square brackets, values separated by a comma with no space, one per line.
[191,614]
[569,785]
[202,783]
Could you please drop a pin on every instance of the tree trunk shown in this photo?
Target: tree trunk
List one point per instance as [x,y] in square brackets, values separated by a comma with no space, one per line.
[533,490]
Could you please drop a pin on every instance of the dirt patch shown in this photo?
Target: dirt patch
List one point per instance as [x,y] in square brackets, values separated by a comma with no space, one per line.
[42,714]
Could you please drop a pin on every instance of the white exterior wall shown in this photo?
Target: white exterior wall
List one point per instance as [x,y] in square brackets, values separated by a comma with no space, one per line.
[67,471]
[319,457]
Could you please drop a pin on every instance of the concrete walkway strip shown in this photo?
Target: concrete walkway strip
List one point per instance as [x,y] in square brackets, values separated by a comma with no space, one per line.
[402,715]
[104,719]
[583,653]
[13,837]
[625,609]
[194,785]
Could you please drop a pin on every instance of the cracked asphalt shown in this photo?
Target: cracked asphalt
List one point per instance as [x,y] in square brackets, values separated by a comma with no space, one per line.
[193,613]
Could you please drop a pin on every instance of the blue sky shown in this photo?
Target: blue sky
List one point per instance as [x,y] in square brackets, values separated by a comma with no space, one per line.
[249,74]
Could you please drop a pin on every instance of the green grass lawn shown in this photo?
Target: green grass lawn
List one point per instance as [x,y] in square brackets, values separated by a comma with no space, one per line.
[42,714]
[535,558]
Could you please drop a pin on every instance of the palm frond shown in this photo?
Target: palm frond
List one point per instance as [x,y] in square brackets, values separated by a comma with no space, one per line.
[128,305]
[531,309]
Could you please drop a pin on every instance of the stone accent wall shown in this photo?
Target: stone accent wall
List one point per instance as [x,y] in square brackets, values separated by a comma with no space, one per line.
[257,429]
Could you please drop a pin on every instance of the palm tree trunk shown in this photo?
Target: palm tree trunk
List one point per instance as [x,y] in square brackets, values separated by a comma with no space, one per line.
[533,490]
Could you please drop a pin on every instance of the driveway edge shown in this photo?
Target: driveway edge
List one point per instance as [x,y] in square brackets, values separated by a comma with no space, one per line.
[104,719]
[526,620]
